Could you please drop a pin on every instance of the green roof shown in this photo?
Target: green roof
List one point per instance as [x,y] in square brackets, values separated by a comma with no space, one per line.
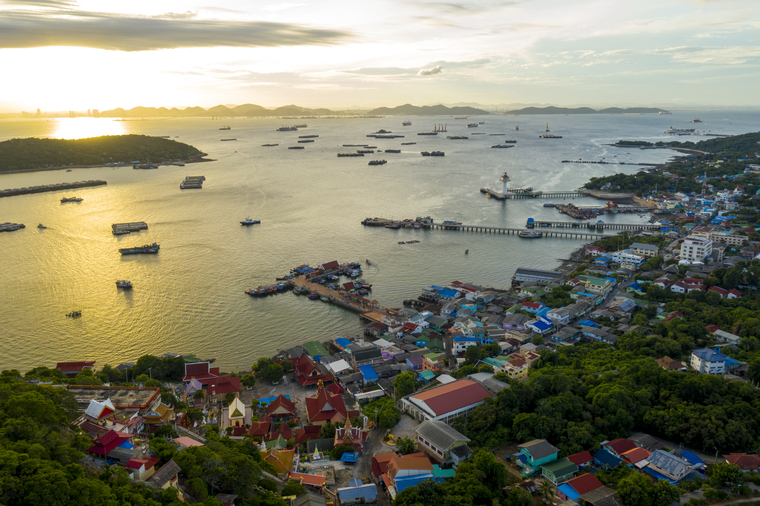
[315,348]
[279,443]
[494,361]
[435,345]
[561,467]
[443,473]
[427,375]
[432,356]
[236,412]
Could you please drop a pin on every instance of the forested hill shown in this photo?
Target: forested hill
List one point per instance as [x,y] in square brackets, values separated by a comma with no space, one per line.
[744,144]
[427,110]
[586,110]
[35,153]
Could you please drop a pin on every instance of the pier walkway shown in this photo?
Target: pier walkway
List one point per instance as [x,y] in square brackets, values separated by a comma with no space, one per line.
[510,195]
[594,225]
[50,188]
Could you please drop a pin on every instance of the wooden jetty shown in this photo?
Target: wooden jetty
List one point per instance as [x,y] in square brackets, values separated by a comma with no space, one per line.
[593,225]
[50,188]
[125,228]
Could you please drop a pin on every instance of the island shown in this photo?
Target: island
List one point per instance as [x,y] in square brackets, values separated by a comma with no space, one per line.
[586,110]
[33,153]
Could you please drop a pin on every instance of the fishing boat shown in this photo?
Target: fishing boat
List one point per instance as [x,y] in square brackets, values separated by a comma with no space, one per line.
[548,204]
[123,283]
[530,234]
[41,226]
[406,123]
[517,127]
[466,251]
[249,221]
[71,199]
[324,298]
[225,128]
[74,314]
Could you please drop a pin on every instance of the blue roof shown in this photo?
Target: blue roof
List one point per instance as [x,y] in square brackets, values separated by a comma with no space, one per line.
[342,341]
[126,444]
[348,457]
[437,288]
[691,457]
[659,476]
[465,339]
[522,457]
[569,491]
[368,492]
[540,325]
[731,361]
[411,481]
[266,400]
[448,293]
[588,323]
[368,372]
[606,458]
[709,355]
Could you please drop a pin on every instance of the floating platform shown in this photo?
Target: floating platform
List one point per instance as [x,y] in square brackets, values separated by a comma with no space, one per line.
[50,188]
[192,183]
[125,228]
[10,227]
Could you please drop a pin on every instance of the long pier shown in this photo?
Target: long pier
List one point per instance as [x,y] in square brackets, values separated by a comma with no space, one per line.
[530,194]
[10,192]
[574,234]
[602,162]
[593,225]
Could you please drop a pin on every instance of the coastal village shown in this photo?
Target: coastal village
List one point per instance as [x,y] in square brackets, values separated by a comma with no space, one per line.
[362,419]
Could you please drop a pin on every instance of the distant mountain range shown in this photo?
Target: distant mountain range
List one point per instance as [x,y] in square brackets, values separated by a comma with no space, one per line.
[587,110]
[248,110]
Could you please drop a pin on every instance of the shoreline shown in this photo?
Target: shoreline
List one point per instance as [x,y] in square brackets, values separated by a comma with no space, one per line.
[65,167]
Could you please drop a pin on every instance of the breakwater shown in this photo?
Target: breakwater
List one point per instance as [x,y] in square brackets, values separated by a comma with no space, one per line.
[50,188]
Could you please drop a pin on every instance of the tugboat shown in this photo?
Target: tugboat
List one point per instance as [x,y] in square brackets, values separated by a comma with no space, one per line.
[249,221]
[122,283]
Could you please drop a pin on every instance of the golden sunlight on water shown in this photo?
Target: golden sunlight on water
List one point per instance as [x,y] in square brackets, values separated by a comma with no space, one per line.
[81,128]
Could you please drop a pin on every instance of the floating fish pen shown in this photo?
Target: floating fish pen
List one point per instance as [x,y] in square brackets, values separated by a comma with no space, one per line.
[365,151]
[456,137]
[305,141]
[510,142]
[407,143]
[10,227]
[268,145]
[393,151]
[343,155]
[355,145]
[295,147]
[502,146]
[377,162]
[384,136]
[432,153]
[192,183]
[50,188]
[308,136]
[427,133]
[228,140]
[125,228]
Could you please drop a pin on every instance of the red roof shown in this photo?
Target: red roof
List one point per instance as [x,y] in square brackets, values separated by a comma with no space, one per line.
[380,464]
[720,291]
[199,371]
[73,368]
[222,385]
[452,396]
[581,458]
[314,480]
[284,431]
[260,429]
[281,401]
[744,461]
[620,446]
[533,305]
[325,407]
[584,483]
[736,292]
[335,388]
[712,328]
[137,463]
[307,433]
[331,265]
[109,441]
[307,371]
[635,455]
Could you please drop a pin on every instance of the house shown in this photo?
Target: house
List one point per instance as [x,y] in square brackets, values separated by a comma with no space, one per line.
[97,411]
[235,413]
[200,371]
[218,388]
[438,439]
[308,372]
[358,494]
[661,282]
[534,454]
[695,249]
[281,408]
[339,367]
[283,460]
[606,460]
[108,442]
[167,476]
[559,470]
[726,336]
[619,446]
[559,316]
[407,472]
[366,356]
[446,402]
[525,274]
[540,325]
[515,321]
[327,407]
[646,441]
[517,367]
[531,307]
[707,361]
[687,285]
[734,294]
[602,335]
[669,364]
[667,464]
[601,496]
[317,481]
[636,457]
[433,362]
[692,458]
[160,415]
[71,369]
[141,469]
[746,463]
[582,459]
[573,488]
[415,363]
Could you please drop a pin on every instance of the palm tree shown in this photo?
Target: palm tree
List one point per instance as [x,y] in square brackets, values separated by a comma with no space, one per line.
[547,489]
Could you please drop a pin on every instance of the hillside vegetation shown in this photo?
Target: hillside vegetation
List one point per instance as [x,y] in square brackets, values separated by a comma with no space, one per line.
[35,153]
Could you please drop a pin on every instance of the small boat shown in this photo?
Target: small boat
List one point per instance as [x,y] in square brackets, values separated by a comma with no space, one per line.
[548,204]
[530,234]
[68,170]
[122,283]
[466,251]
[74,314]
[324,298]
[406,123]
[41,226]
[368,262]
[401,242]
[517,127]
[249,221]
[225,128]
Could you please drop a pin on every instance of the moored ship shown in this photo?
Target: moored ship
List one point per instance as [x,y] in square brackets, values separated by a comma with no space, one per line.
[530,234]
[406,123]
[123,283]
[148,248]
[249,221]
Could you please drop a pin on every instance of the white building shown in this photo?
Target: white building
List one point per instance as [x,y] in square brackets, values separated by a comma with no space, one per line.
[695,249]
[644,250]
[627,256]
[707,361]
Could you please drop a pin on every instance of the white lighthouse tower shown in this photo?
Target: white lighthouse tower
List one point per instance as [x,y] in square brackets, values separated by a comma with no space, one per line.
[504,180]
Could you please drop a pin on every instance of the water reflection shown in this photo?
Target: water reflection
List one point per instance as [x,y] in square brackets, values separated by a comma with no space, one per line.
[81,128]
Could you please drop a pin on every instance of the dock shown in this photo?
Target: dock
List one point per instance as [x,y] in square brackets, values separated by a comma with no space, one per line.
[125,228]
[10,227]
[602,162]
[333,296]
[592,225]
[530,194]
[192,183]
[574,234]
[50,188]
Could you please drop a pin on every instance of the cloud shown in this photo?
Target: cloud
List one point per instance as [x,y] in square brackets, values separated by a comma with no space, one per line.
[58,4]
[438,69]
[25,29]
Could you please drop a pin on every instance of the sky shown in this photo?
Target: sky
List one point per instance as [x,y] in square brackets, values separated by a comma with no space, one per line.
[96,54]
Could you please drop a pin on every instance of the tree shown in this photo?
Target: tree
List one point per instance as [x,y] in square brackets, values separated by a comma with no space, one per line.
[518,496]
[293,489]
[725,474]
[162,449]
[472,354]
[388,418]
[273,372]
[199,394]
[248,380]
[547,489]
[153,383]
[406,445]
[538,340]
[404,384]
[636,489]
[114,375]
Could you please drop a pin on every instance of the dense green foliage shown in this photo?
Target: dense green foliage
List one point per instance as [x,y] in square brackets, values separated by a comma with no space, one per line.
[34,153]
[578,396]
[383,411]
